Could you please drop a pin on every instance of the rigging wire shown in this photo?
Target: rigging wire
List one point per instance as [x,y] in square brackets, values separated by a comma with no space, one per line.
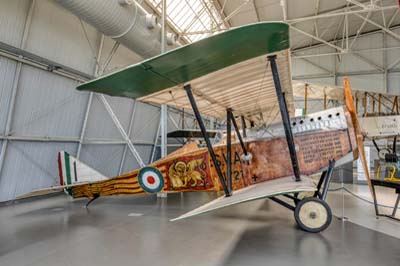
[261,85]
[89,43]
[36,115]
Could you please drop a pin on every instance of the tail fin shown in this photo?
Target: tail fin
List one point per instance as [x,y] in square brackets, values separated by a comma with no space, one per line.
[73,171]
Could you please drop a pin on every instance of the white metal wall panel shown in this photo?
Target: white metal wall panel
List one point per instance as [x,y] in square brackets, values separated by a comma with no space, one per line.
[12,21]
[351,63]
[100,124]
[7,74]
[301,67]
[131,164]
[324,61]
[122,108]
[298,9]
[47,105]
[191,122]
[56,34]
[270,9]
[30,166]
[393,55]
[123,57]
[368,42]
[104,158]
[328,81]
[327,62]
[246,14]
[145,123]
[394,83]
[174,117]
[373,83]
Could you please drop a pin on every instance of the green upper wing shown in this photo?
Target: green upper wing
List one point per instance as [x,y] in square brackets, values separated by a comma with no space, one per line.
[194,60]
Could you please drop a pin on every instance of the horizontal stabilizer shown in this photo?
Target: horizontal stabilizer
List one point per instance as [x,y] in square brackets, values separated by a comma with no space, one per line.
[258,191]
[47,191]
[72,173]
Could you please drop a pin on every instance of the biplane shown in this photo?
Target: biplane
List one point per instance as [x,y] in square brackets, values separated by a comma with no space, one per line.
[241,73]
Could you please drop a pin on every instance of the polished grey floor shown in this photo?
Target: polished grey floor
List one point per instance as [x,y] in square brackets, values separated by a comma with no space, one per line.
[137,231]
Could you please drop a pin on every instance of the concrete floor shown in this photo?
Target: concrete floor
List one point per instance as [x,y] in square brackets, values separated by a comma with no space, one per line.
[362,213]
[136,231]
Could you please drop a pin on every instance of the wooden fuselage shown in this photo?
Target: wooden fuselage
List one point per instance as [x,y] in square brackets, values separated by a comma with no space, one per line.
[191,169]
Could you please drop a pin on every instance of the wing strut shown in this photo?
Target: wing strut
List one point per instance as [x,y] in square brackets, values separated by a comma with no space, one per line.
[227,190]
[243,126]
[238,132]
[285,117]
[229,149]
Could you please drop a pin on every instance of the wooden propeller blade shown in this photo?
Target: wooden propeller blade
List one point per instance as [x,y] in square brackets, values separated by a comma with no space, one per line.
[360,139]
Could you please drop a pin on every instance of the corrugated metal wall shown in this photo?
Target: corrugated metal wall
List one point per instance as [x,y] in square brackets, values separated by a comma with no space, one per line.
[48,113]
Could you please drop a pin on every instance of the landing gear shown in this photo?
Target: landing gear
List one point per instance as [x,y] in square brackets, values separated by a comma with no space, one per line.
[313,215]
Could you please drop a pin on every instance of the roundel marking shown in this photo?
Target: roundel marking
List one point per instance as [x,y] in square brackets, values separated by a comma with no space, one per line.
[151,179]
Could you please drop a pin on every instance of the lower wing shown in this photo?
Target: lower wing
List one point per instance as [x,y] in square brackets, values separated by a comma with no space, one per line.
[258,191]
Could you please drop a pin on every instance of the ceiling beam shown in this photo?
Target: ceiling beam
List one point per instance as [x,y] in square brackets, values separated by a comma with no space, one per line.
[210,14]
[307,47]
[337,13]
[369,62]
[327,71]
[388,31]
[341,74]
[221,10]
[256,10]
[283,4]
[395,63]
[316,11]
[318,39]
[338,53]
[236,11]
[392,18]
[360,30]
[169,24]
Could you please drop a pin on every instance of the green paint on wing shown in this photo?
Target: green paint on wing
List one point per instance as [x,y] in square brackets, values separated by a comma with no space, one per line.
[194,60]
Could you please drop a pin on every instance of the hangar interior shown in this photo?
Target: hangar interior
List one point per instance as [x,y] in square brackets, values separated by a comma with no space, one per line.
[50,47]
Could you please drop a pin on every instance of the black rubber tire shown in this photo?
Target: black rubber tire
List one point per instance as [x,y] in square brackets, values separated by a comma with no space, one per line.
[306,228]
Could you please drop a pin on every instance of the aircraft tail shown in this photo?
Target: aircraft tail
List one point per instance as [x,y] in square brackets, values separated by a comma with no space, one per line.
[72,171]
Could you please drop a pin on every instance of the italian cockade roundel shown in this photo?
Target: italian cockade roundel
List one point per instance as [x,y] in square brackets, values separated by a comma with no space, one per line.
[151,179]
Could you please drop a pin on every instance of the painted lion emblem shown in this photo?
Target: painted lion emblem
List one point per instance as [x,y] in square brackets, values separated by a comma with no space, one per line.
[184,175]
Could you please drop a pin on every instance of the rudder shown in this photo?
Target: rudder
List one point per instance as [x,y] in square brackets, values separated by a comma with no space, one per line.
[72,171]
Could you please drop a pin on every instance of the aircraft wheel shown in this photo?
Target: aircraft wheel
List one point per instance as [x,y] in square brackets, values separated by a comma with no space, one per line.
[313,215]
